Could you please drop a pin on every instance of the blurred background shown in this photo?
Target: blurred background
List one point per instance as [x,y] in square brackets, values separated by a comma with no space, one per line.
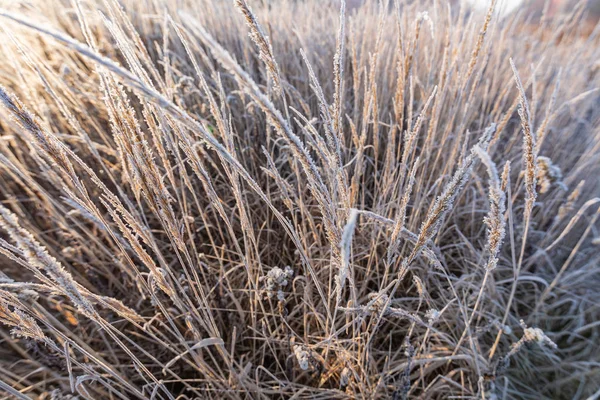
[535,7]
[533,10]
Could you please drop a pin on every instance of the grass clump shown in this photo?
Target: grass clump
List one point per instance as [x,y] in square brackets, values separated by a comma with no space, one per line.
[255,199]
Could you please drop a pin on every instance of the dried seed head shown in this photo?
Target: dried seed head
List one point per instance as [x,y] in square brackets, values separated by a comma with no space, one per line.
[42,262]
[303,356]
[536,335]
[505,176]
[262,42]
[568,206]
[495,221]
[23,325]
[424,16]
[529,145]
[377,301]
[275,280]
[531,335]
[159,277]
[419,285]
[548,174]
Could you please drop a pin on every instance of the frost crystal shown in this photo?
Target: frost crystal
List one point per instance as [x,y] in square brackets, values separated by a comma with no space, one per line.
[275,280]
[303,357]
[432,315]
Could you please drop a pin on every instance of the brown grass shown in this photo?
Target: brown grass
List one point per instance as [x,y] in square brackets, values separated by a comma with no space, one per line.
[285,199]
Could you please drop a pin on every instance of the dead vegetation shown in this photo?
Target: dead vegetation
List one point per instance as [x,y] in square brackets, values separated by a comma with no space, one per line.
[255,199]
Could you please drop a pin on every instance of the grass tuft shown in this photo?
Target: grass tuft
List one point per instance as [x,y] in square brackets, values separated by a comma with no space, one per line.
[297,199]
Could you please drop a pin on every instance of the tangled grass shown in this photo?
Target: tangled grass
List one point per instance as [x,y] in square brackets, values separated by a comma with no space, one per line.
[287,199]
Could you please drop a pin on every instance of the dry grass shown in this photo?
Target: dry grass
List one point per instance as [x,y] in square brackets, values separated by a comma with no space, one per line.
[288,199]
